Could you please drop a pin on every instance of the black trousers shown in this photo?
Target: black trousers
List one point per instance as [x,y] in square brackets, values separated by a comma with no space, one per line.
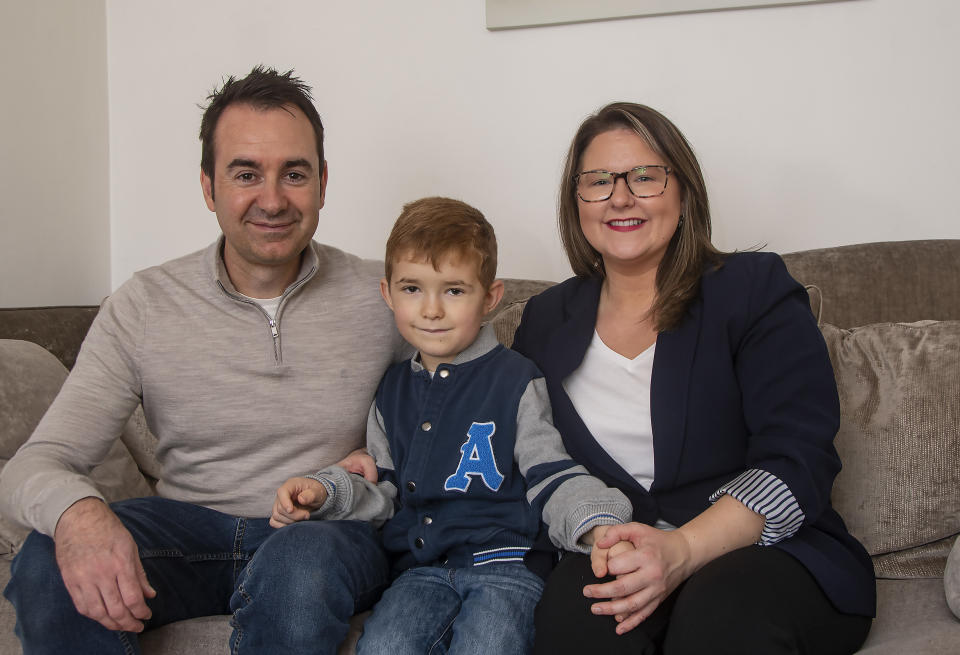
[753,600]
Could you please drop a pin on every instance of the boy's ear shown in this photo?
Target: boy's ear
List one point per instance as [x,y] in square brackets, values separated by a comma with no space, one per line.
[494,295]
[385,292]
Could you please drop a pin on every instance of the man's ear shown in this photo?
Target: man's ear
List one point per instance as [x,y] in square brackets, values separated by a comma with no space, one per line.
[207,185]
[323,183]
[385,292]
[494,296]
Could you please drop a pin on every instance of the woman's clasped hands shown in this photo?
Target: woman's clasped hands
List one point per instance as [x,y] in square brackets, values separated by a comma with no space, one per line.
[648,564]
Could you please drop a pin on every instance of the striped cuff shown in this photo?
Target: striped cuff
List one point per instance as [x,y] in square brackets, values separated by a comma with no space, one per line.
[767,495]
[593,515]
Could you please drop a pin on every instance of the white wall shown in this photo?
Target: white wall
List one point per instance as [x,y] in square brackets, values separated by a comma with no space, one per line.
[817,125]
[54,201]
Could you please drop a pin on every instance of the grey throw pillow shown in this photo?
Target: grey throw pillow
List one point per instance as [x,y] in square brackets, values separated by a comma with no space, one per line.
[951,579]
[899,441]
[30,378]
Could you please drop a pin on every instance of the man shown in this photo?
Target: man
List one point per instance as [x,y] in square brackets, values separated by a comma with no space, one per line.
[250,371]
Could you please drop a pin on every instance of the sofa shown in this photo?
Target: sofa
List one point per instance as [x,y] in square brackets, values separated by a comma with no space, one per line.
[890,315]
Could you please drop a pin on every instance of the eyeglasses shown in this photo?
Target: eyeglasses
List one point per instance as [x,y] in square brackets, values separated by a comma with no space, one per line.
[642,181]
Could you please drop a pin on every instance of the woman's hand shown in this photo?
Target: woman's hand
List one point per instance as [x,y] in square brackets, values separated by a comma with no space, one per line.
[663,559]
[657,563]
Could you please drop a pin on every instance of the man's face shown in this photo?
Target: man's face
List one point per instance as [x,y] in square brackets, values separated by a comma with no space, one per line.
[266,190]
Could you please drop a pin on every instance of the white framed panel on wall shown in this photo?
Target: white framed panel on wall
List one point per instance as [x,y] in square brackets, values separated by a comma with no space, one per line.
[508,14]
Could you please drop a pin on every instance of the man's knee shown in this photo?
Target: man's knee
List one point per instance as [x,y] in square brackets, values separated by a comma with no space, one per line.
[325,547]
[308,543]
[317,543]
[34,569]
[305,582]
[36,587]
[339,559]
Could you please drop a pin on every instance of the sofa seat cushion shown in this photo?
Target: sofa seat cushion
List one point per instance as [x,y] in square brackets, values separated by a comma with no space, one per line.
[911,619]
[899,490]
[30,378]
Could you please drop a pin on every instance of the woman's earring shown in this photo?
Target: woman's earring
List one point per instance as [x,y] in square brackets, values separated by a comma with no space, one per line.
[680,222]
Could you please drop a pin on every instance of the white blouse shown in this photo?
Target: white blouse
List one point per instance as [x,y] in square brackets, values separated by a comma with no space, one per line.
[598,388]
[611,393]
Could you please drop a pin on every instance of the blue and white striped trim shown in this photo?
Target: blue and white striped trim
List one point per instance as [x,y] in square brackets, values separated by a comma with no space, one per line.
[508,554]
[767,495]
[603,518]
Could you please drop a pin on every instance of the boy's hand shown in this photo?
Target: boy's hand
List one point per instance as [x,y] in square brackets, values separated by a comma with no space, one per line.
[599,557]
[296,498]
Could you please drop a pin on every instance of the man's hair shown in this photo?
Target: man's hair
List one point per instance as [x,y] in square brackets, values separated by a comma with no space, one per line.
[435,228]
[690,249]
[262,89]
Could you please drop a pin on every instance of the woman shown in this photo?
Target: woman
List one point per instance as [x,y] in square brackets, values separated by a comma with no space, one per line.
[698,383]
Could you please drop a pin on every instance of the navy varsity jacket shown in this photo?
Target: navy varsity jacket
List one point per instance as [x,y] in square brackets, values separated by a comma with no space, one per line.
[469,462]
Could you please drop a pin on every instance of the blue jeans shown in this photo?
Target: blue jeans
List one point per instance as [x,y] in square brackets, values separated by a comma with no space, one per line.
[439,609]
[291,590]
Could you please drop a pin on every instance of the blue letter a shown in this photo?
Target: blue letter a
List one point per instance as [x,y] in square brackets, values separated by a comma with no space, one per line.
[476,459]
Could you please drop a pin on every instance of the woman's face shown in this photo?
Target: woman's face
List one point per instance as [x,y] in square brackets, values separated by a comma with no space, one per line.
[630,233]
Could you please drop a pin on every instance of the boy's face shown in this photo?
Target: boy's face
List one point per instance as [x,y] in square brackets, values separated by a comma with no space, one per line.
[438,312]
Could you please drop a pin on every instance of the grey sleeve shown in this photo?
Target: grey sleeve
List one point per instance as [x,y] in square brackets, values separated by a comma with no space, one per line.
[351,496]
[578,501]
[49,472]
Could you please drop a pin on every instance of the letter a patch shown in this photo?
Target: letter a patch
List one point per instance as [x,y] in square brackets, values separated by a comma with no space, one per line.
[476,459]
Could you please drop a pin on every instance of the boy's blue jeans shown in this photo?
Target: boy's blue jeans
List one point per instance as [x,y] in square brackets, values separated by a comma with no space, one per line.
[431,610]
[291,590]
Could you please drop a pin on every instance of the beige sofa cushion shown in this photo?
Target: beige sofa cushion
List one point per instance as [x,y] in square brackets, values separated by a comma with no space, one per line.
[505,323]
[30,378]
[899,440]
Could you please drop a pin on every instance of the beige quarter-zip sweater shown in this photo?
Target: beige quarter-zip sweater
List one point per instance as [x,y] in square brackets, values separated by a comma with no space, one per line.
[238,402]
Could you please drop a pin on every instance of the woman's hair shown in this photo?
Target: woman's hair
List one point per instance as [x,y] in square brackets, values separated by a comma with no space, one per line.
[690,249]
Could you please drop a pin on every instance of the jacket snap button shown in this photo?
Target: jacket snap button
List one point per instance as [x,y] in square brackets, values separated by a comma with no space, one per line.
[411,486]
[425,426]
[418,542]
[427,520]
[444,373]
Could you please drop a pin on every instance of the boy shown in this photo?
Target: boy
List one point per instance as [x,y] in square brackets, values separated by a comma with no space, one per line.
[463,433]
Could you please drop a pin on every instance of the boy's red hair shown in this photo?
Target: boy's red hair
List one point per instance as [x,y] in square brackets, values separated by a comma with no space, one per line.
[434,228]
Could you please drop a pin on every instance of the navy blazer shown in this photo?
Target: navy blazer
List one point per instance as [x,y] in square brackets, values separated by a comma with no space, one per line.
[743,382]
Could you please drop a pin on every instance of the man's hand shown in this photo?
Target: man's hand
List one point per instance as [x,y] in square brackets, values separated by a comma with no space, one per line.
[296,498]
[360,462]
[101,566]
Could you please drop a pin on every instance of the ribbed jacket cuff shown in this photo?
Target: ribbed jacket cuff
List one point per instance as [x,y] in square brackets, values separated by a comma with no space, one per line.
[587,517]
[767,495]
[339,491]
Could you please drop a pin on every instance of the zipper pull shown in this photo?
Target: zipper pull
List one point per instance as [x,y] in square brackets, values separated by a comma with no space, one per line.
[273,329]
